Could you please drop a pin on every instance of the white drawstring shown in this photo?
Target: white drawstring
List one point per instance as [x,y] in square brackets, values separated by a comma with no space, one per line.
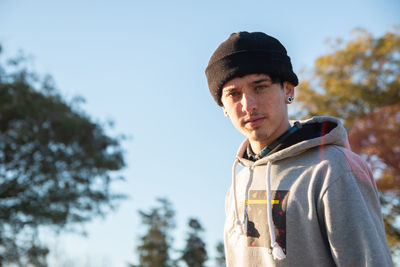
[238,224]
[277,251]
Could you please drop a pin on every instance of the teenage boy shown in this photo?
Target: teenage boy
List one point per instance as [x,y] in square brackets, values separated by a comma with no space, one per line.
[303,198]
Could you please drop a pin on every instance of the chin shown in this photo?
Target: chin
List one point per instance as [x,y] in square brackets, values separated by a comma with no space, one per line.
[258,137]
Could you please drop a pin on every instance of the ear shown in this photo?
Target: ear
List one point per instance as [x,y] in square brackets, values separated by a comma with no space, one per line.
[288,89]
[225,112]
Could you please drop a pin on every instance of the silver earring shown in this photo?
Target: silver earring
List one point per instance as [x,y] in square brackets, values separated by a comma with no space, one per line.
[290,99]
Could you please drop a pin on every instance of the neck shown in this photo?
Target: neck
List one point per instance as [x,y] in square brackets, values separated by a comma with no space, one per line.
[256,146]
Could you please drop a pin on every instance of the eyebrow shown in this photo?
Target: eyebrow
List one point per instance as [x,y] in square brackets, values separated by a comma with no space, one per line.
[233,88]
[229,89]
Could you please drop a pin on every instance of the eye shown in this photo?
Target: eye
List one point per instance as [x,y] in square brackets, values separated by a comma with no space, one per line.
[260,88]
[232,93]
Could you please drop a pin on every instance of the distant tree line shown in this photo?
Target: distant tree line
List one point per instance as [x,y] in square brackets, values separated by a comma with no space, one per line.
[156,243]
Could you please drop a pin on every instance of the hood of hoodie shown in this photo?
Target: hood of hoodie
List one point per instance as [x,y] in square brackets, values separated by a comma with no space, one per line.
[331,132]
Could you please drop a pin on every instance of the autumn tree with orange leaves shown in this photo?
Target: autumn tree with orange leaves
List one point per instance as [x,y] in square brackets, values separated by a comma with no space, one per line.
[359,82]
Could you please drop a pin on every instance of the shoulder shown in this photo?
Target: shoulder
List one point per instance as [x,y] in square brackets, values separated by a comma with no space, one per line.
[332,163]
[346,167]
[339,157]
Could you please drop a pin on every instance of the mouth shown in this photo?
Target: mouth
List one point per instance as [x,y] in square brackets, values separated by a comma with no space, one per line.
[254,122]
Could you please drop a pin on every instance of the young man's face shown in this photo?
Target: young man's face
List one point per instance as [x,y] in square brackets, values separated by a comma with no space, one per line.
[257,107]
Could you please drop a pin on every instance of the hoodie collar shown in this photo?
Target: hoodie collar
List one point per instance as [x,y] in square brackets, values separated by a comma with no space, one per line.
[315,132]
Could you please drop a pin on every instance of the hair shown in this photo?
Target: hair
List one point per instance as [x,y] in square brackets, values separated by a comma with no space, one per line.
[276,77]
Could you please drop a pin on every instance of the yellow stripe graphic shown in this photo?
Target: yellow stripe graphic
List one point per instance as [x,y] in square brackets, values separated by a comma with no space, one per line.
[260,201]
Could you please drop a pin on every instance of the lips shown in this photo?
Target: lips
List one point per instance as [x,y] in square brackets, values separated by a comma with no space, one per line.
[254,122]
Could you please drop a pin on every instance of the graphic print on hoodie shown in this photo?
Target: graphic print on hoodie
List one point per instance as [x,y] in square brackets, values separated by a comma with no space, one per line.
[257,220]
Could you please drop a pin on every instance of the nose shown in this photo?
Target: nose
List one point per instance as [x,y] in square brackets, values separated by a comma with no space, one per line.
[248,103]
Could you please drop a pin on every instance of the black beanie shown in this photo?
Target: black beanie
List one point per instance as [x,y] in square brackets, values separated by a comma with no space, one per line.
[247,53]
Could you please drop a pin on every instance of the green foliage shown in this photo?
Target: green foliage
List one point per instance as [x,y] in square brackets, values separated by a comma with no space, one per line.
[220,256]
[25,253]
[356,78]
[359,82]
[156,242]
[194,254]
[55,163]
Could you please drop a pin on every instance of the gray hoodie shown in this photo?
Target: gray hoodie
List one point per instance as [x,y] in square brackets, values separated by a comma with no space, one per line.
[323,202]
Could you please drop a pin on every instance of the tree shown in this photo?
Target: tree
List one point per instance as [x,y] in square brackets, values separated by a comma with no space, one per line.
[376,136]
[194,254]
[55,164]
[156,242]
[220,256]
[359,82]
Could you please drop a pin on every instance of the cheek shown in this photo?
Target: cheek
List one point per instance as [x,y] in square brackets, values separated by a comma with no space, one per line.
[233,111]
[234,116]
[276,103]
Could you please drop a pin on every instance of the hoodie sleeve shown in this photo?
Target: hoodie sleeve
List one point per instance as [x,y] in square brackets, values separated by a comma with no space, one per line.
[350,211]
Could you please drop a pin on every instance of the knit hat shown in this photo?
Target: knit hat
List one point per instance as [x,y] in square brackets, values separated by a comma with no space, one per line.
[247,53]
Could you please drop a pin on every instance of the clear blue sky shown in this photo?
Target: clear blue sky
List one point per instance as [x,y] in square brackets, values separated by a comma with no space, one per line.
[141,64]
